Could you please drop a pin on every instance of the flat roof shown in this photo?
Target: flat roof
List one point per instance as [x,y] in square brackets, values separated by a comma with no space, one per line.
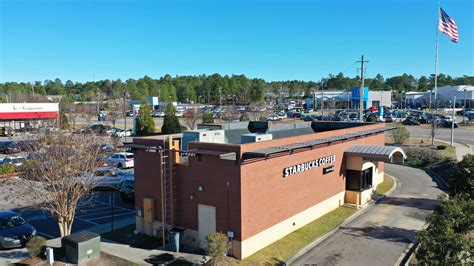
[288,149]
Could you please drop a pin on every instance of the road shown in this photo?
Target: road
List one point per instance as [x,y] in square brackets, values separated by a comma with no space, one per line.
[379,236]
[463,135]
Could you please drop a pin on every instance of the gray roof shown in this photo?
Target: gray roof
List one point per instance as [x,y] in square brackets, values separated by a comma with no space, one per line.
[233,135]
[290,148]
[381,153]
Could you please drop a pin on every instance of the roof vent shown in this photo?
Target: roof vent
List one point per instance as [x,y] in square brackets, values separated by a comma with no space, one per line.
[258,126]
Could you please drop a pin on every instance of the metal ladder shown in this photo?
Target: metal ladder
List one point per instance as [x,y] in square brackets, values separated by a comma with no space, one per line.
[168,186]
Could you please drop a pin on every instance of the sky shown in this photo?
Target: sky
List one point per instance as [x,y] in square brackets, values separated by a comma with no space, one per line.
[84,40]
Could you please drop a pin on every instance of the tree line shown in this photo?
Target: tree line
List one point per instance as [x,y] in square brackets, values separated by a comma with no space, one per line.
[215,89]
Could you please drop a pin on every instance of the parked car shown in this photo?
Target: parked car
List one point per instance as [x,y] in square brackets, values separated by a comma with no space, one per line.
[9,147]
[410,121]
[273,117]
[110,177]
[388,119]
[122,133]
[310,118]
[448,124]
[282,116]
[14,230]
[127,190]
[122,160]
[464,111]
[470,115]
[16,161]
[7,131]
[158,113]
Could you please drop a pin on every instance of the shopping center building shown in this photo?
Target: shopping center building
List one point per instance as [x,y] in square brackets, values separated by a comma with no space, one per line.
[255,184]
[22,115]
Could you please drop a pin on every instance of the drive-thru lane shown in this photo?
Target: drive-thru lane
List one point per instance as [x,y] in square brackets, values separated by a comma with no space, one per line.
[379,236]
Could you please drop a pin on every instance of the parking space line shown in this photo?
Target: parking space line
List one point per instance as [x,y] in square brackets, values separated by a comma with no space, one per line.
[86,221]
[44,234]
[99,213]
[118,207]
[80,212]
[109,216]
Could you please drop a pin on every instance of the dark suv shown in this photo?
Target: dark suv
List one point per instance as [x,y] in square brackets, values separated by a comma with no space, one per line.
[9,147]
[14,231]
[127,190]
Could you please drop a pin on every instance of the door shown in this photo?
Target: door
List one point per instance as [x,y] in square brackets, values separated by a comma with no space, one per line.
[206,223]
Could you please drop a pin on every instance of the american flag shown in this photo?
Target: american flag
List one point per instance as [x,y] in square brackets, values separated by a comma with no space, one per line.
[447,26]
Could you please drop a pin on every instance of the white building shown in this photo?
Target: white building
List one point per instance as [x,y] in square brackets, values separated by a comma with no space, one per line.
[445,97]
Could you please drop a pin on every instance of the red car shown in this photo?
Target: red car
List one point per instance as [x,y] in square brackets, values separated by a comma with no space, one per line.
[373,109]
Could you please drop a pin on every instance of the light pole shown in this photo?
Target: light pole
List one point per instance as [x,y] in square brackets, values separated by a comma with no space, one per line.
[464,107]
[453,117]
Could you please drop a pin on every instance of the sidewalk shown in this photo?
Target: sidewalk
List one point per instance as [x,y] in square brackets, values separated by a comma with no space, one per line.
[461,149]
[143,256]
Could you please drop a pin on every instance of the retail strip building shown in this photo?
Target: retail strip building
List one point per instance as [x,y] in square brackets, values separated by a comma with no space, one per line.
[281,179]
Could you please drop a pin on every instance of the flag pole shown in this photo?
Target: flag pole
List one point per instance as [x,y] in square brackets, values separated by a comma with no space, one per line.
[433,122]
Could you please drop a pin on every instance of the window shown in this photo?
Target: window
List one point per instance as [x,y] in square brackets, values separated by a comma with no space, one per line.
[359,180]
[375,103]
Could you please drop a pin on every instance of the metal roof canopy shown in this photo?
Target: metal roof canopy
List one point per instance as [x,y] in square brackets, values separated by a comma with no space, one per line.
[390,154]
[288,149]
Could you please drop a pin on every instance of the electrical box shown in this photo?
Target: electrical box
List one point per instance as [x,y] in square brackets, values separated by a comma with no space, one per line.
[81,247]
[203,135]
[255,137]
[148,209]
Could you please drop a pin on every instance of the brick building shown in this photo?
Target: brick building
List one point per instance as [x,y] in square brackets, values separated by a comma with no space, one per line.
[259,191]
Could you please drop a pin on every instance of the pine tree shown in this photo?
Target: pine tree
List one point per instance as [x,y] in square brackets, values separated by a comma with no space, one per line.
[171,122]
[145,125]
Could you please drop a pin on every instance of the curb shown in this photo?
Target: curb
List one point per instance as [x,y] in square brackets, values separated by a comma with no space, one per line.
[316,242]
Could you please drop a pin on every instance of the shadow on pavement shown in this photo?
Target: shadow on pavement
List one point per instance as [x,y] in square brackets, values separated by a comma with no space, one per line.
[387,233]
[167,259]
[419,203]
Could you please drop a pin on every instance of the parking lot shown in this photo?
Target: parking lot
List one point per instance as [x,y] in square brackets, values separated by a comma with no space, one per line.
[91,212]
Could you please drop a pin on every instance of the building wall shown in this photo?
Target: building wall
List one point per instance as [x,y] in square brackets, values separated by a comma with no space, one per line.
[384,97]
[269,199]
[253,200]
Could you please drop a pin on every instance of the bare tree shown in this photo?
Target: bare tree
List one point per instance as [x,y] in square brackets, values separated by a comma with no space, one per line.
[86,111]
[192,117]
[60,175]
[256,113]
[115,109]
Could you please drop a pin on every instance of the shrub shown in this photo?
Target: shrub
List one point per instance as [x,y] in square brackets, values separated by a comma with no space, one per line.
[145,125]
[217,246]
[422,156]
[244,117]
[372,118]
[7,169]
[171,122]
[400,135]
[441,147]
[36,245]
[207,118]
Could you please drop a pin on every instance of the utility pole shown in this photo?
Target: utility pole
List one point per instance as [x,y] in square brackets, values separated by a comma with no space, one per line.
[361,89]
[125,113]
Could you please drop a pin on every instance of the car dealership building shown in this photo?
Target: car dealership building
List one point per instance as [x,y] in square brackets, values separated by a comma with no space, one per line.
[255,184]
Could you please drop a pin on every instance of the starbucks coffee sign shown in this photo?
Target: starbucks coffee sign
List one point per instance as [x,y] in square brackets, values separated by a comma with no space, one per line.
[302,167]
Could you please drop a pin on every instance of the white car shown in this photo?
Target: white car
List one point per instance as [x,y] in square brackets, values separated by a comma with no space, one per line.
[282,116]
[121,160]
[273,117]
[122,133]
[112,177]
[157,113]
[179,114]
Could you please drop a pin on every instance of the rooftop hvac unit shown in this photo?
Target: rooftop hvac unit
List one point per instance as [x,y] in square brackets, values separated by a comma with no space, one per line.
[203,135]
[253,137]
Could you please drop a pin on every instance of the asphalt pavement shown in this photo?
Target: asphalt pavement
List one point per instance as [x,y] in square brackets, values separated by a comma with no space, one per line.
[380,236]
[96,210]
[463,135]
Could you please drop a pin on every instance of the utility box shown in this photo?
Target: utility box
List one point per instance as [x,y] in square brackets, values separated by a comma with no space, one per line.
[81,247]
[255,137]
[148,210]
[202,135]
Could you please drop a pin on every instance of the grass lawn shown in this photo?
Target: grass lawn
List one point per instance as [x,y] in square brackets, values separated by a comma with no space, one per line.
[289,245]
[126,236]
[386,185]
